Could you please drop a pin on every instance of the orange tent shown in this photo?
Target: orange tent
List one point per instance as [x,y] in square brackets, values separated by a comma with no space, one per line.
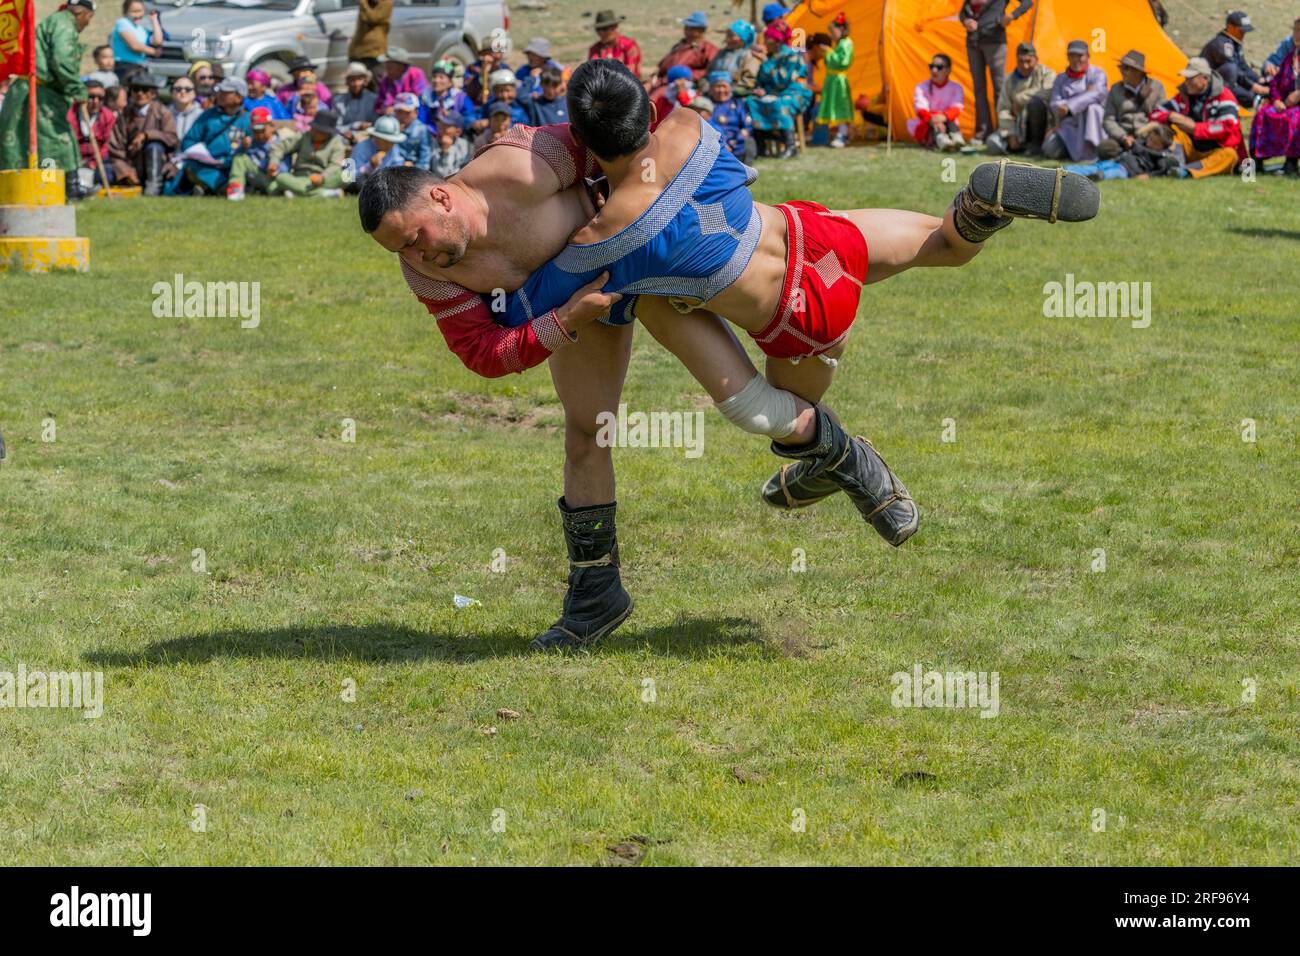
[894,40]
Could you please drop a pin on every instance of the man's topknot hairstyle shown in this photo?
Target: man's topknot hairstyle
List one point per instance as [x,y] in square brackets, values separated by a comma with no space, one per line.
[609,108]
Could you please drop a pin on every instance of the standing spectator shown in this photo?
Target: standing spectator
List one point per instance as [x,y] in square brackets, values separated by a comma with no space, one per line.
[370,35]
[1076,107]
[1274,61]
[133,41]
[219,130]
[380,150]
[611,45]
[782,92]
[692,50]
[258,95]
[452,150]
[986,24]
[938,103]
[356,106]
[499,122]
[101,125]
[442,98]
[475,81]
[1226,55]
[1205,119]
[1128,105]
[143,138]
[318,156]
[399,77]
[836,105]
[551,107]
[1276,129]
[819,45]
[538,57]
[304,106]
[104,60]
[303,71]
[417,146]
[731,117]
[1022,106]
[249,165]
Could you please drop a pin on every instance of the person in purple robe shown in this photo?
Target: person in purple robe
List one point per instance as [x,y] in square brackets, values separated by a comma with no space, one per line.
[1276,129]
[1077,108]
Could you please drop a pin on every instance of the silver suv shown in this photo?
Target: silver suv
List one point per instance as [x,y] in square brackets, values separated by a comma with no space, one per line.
[268,34]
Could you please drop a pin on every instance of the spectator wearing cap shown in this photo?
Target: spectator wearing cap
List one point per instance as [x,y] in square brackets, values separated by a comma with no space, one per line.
[318,156]
[134,40]
[1076,107]
[612,45]
[1152,153]
[475,80]
[1284,49]
[505,89]
[1227,56]
[303,71]
[938,102]
[380,150]
[537,57]
[251,159]
[370,35]
[442,98]
[1205,118]
[101,124]
[692,50]
[259,82]
[452,151]
[304,105]
[143,137]
[782,92]
[731,117]
[355,106]
[219,130]
[773,12]
[1128,105]
[398,77]
[986,23]
[499,120]
[1022,106]
[417,147]
[551,107]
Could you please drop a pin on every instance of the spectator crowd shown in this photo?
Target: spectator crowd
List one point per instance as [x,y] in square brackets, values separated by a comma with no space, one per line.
[764,90]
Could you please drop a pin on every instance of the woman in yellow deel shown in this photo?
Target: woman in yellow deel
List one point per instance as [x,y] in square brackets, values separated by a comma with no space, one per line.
[836,105]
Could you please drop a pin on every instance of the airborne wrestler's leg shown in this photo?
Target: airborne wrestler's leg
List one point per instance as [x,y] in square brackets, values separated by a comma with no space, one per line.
[588,377]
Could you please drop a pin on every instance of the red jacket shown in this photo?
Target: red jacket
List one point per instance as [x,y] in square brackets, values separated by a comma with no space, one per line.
[1215,113]
[624,49]
[683,53]
[102,127]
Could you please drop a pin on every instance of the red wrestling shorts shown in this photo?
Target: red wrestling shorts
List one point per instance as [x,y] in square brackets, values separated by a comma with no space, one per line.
[825,266]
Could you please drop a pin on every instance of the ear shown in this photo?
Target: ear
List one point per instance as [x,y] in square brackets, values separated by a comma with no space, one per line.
[439,196]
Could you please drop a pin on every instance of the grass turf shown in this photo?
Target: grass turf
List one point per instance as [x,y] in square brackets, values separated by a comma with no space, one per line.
[330,561]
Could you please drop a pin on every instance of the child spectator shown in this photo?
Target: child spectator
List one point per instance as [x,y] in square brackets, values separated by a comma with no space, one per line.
[305,104]
[836,105]
[417,148]
[731,117]
[248,168]
[101,124]
[379,150]
[452,151]
[550,107]
[538,54]
[442,98]
[303,71]
[499,121]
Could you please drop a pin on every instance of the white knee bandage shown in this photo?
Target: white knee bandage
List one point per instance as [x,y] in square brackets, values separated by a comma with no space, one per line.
[760,409]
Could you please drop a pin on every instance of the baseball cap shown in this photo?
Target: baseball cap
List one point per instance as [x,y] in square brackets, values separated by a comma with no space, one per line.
[773,11]
[1076,46]
[1242,20]
[453,119]
[499,108]
[260,117]
[1196,66]
[407,101]
[232,84]
[696,19]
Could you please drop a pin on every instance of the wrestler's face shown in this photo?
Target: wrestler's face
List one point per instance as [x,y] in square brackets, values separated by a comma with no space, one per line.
[427,231]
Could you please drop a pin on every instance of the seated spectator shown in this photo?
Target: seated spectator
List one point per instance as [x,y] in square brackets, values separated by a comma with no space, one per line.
[1128,105]
[1022,106]
[104,60]
[356,106]
[185,105]
[249,164]
[1075,109]
[731,117]
[1276,129]
[101,125]
[205,81]
[702,105]
[505,90]
[143,137]
[735,56]
[1205,119]
[537,57]
[499,122]
[418,145]
[381,149]
[782,92]
[304,105]
[550,107]
[258,95]
[317,155]
[692,50]
[1153,152]
[1274,61]
[612,45]
[452,151]
[773,12]
[938,102]
[442,98]
[679,91]
[115,99]
[303,71]
[398,77]
[1226,55]
[209,146]
[135,39]
[475,80]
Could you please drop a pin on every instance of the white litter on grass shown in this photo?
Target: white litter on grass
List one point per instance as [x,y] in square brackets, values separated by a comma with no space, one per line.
[463,602]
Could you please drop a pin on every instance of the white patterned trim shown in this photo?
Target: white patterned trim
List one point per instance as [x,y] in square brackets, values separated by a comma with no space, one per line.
[550,333]
[427,288]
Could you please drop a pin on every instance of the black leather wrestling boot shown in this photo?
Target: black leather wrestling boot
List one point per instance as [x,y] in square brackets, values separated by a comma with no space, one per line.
[998,192]
[153,172]
[853,466]
[596,602]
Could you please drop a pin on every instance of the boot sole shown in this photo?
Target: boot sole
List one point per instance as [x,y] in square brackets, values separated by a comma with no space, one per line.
[592,639]
[907,530]
[1027,192]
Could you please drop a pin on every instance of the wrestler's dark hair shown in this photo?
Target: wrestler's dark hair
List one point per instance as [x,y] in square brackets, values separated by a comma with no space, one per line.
[392,188]
[608,108]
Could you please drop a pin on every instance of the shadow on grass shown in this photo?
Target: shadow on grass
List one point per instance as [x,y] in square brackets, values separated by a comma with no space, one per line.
[384,643]
[1256,232]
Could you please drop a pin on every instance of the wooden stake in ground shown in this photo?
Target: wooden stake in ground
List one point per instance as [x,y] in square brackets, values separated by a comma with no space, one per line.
[94,145]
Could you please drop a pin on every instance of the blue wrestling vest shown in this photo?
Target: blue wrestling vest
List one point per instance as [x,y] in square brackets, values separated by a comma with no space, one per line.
[693,241]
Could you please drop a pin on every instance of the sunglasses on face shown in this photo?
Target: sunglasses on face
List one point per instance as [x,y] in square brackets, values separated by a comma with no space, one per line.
[203,78]
[94,96]
[182,89]
[938,66]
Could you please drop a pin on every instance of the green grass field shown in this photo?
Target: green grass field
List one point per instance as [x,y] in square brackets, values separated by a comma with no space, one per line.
[330,561]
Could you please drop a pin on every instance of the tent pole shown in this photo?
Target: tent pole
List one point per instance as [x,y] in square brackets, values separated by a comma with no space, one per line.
[884,82]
